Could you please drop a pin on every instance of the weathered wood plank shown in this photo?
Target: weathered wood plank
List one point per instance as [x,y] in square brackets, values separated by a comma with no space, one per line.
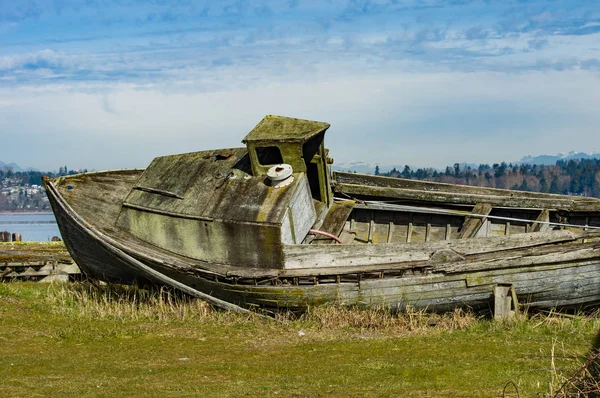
[566,291]
[559,290]
[484,230]
[542,222]
[334,221]
[418,284]
[347,237]
[472,224]
[505,275]
[450,300]
[522,260]
[565,303]
[429,191]
[503,200]
[309,256]
[432,296]
[541,275]
[375,292]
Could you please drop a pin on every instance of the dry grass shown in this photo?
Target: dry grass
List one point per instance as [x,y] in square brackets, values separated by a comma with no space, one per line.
[111,301]
[582,382]
[342,318]
[578,376]
[129,303]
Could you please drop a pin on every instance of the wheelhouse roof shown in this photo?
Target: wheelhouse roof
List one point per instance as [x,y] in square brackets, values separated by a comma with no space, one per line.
[286,129]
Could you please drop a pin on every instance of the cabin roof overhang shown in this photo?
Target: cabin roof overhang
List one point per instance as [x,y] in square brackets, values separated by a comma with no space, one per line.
[284,129]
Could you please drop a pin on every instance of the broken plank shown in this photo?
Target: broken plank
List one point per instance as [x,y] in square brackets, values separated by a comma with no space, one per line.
[541,222]
[472,224]
[335,220]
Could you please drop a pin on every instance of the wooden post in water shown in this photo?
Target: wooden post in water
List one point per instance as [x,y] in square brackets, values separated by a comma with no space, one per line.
[16,237]
[4,236]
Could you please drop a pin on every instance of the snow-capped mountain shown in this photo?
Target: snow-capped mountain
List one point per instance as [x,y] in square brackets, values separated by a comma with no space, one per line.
[552,159]
[364,167]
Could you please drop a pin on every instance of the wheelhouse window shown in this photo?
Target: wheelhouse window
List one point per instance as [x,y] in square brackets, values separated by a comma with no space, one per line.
[269,155]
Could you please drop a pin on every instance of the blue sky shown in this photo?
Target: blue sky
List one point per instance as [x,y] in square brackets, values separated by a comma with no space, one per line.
[112,83]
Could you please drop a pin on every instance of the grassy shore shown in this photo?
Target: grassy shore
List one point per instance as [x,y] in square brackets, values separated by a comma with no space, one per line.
[33,252]
[81,340]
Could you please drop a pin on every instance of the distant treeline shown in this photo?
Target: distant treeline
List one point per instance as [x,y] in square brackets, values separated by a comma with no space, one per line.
[572,177]
[22,178]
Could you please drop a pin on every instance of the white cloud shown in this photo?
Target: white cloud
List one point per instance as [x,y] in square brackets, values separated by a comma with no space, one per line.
[422,119]
[42,59]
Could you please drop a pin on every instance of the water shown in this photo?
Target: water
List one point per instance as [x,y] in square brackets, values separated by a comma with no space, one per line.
[35,227]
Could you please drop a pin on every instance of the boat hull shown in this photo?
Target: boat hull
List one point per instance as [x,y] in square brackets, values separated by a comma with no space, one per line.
[543,284]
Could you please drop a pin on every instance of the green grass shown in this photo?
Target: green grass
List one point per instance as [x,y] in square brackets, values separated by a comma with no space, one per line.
[78,340]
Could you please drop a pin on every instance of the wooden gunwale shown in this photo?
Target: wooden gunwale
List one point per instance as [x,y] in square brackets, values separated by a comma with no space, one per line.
[366,180]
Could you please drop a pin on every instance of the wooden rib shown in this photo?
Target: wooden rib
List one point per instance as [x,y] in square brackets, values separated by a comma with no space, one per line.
[371,228]
[409,232]
[390,230]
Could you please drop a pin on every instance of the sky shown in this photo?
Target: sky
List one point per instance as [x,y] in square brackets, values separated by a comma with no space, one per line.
[105,84]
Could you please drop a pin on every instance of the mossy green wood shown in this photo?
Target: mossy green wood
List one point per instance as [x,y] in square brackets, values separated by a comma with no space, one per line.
[285,129]
[242,244]
[207,205]
[300,143]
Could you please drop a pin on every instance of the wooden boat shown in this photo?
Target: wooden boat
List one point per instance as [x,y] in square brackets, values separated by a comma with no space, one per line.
[268,225]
